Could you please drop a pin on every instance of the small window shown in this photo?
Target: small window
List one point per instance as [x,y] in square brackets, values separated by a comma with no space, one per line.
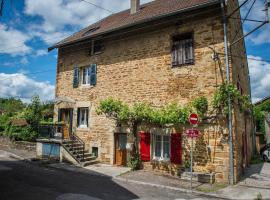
[161,147]
[86,73]
[183,50]
[97,47]
[83,114]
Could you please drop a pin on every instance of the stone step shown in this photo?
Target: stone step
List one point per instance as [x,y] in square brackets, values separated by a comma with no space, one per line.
[90,158]
[87,163]
[75,148]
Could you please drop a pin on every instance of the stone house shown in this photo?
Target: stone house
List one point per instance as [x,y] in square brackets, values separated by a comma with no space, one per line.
[159,52]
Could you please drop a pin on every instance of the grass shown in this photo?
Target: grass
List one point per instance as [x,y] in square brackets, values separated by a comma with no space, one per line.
[211,188]
[256,160]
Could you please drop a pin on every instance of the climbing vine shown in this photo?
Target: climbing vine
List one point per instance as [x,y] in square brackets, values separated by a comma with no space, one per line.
[220,100]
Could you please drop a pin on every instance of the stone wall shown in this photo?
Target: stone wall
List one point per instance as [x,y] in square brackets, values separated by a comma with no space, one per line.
[242,121]
[138,69]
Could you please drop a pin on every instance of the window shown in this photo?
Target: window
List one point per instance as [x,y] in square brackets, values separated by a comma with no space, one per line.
[83,114]
[161,147]
[183,50]
[97,47]
[87,75]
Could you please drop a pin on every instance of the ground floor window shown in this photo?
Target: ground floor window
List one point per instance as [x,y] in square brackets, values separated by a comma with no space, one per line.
[83,114]
[160,147]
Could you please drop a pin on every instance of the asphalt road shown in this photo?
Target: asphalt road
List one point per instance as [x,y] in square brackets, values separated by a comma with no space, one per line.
[21,180]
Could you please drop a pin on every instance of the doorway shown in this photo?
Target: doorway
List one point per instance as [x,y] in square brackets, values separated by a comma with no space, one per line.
[65,115]
[120,149]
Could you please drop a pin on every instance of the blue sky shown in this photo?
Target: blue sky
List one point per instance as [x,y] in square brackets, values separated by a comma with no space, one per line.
[28,27]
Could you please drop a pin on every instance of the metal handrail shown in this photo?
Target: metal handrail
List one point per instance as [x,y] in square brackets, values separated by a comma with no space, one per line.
[75,138]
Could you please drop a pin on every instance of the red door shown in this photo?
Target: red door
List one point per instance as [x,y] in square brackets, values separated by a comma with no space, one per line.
[145,146]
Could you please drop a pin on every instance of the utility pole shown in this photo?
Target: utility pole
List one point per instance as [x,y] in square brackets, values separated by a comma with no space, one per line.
[1,7]
[231,158]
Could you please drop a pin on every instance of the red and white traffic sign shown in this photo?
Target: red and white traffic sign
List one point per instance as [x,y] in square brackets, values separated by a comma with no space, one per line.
[193,119]
[193,133]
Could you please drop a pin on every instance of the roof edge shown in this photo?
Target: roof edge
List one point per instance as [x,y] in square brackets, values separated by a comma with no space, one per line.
[213,2]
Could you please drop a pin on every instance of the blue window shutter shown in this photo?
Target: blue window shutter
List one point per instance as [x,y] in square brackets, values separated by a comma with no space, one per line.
[76,77]
[93,78]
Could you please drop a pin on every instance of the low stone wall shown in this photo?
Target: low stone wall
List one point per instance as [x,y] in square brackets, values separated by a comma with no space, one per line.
[5,142]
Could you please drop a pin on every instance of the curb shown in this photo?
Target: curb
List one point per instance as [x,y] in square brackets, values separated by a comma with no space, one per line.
[170,188]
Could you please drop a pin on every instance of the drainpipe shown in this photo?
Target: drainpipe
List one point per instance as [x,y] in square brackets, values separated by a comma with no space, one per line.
[231,161]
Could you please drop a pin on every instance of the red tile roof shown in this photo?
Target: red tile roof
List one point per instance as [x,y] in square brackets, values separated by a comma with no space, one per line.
[147,12]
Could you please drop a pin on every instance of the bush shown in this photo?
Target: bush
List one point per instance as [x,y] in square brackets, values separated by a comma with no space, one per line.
[20,133]
[3,122]
[134,162]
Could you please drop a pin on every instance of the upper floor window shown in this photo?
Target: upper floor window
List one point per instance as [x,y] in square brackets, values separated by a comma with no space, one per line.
[85,76]
[97,47]
[183,50]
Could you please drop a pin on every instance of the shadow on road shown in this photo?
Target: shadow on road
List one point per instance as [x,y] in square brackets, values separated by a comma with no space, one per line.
[27,181]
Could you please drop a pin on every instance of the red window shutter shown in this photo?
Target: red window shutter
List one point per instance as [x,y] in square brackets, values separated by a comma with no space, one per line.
[176,148]
[145,146]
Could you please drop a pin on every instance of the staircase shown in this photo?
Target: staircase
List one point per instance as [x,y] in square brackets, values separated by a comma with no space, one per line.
[76,148]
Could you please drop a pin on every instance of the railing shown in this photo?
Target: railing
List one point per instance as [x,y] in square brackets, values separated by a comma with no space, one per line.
[51,131]
[74,138]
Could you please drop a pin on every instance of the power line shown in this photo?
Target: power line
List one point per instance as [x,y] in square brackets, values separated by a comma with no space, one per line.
[19,74]
[100,7]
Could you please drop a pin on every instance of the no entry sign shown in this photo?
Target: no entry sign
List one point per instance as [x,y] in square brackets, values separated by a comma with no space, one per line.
[192,133]
[193,119]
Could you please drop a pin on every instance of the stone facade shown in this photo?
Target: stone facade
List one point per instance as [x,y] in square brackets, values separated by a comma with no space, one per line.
[137,68]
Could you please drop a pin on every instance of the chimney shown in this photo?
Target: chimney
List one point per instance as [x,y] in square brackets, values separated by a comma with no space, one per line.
[135,6]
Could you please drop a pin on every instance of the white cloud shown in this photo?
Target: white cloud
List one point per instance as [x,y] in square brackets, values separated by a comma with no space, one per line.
[58,16]
[24,61]
[41,52]
[21,86]
[260,78]
[10,39]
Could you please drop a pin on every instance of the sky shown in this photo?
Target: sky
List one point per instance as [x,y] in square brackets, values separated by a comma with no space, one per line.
[29,27]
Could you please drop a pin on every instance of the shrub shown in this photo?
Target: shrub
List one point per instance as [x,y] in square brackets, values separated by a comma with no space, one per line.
[134,162]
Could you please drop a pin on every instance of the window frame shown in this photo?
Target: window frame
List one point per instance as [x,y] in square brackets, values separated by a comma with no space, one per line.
[181,37]
[153,147]
[79,117]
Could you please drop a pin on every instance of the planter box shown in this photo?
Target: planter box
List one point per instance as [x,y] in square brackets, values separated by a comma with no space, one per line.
[199,177]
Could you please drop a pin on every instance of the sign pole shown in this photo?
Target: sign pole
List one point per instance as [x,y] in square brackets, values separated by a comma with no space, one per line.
[191,163]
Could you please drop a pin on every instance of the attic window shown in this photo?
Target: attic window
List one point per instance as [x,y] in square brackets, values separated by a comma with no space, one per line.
[183,50]
[91,31]
[97,47]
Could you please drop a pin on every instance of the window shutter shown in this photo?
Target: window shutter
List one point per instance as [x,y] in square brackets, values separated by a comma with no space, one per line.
[189,51]
[87,115]
[78,116]
[59,115]
[93,78]
[76,76]
[145,146]
[176,148]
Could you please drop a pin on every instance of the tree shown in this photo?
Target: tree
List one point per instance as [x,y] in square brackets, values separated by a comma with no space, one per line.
[140,113]
[33,113]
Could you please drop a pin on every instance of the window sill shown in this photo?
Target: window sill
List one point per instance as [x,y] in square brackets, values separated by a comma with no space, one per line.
[83,129]
[182,65]
[162,160]
[86,86]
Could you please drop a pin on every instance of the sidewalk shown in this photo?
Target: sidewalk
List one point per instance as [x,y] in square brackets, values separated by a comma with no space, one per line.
[256,181]
[19,154]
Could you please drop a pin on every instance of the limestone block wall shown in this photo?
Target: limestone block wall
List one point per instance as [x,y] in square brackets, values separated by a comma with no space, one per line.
[138,69]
